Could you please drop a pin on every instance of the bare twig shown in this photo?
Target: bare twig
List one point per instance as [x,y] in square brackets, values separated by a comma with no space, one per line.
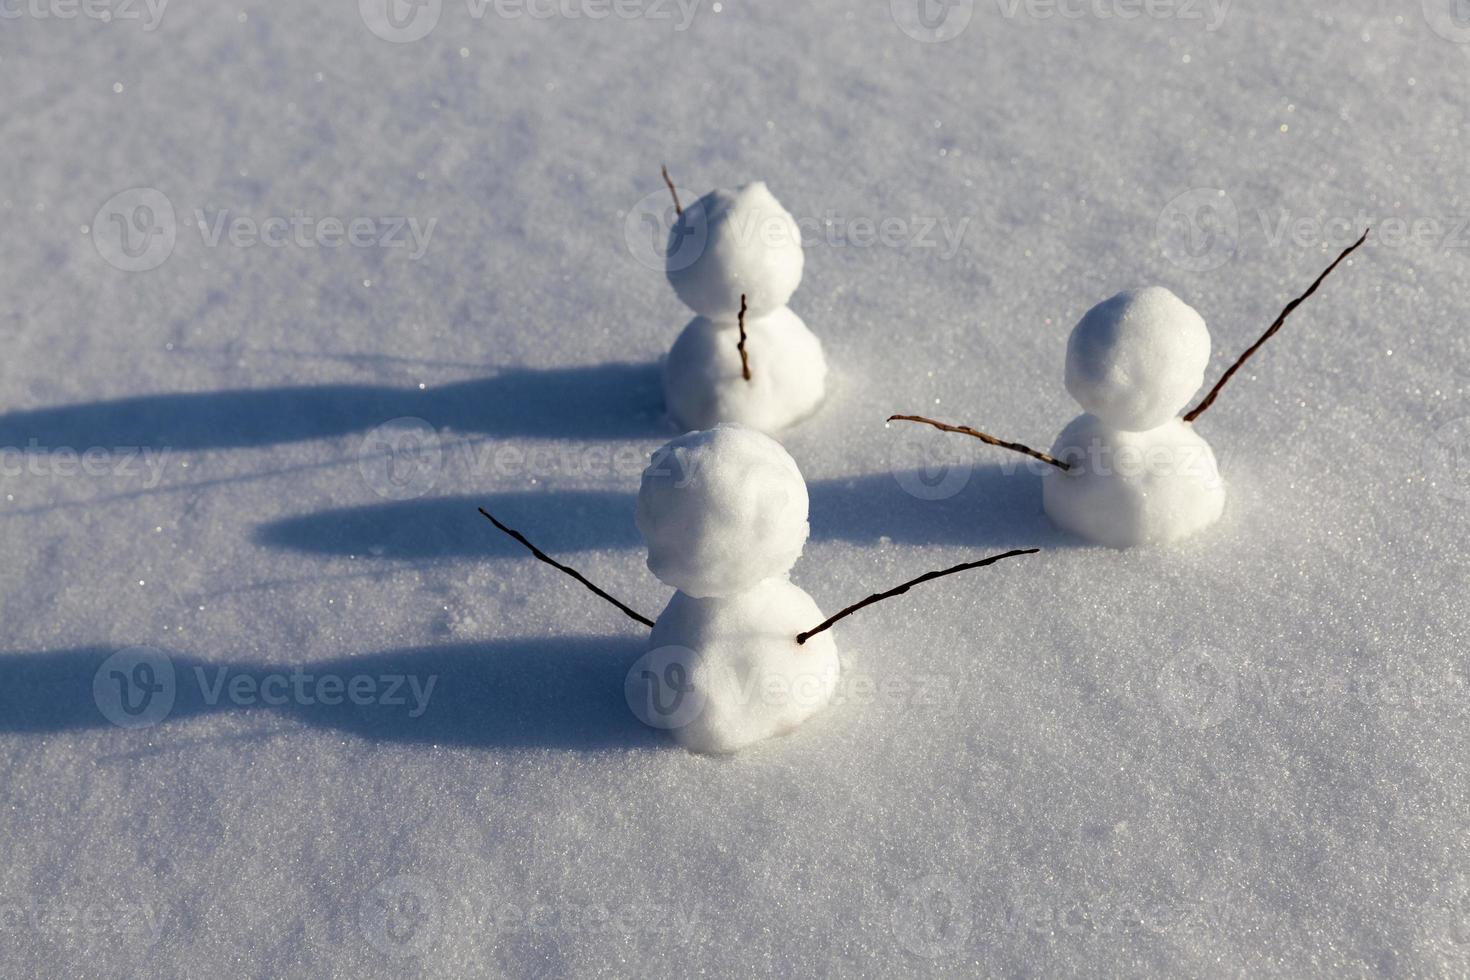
[929,577]
[744,358]
[570,571]
[678,208]
[1209,399]
[986,438]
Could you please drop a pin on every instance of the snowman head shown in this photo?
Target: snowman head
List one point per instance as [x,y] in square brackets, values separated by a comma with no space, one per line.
[737,243]
[721,511]
[1135,360]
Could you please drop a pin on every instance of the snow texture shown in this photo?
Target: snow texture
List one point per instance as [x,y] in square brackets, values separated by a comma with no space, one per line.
[1244,755]
[742,676]
[722,510]
[704,383]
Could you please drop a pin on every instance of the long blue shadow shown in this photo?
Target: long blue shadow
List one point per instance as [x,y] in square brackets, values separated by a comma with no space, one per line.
[560,693]
[993,508]
[451,527]
[605,401]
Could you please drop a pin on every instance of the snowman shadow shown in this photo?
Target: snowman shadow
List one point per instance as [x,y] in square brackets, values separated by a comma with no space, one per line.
[565,521]
[560,692]
[603,401]
[547,692]
[987,506]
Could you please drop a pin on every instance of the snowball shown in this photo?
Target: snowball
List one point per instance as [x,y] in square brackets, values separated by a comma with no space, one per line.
[1133,488]
[1135,360]
[703,383]
[744,676]
[733,242]
[721,510]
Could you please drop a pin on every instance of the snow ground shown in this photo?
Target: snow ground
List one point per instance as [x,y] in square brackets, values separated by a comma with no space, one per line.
[1242,756]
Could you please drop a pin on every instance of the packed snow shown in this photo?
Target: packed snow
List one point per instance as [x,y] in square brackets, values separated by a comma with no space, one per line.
[1137,359]
[704,374]
[1125,489]
[725,516]
[290,290]
[725,673]
[734,244]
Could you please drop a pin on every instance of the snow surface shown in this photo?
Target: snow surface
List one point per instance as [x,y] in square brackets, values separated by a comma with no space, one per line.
[1244,755]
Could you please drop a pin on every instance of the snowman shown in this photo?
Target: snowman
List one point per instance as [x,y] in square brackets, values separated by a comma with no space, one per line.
[1136,473]
[735,258]
[724,512]
[738,655]
[1130,471]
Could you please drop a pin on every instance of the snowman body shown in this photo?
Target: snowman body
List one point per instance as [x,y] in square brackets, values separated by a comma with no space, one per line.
[725,246]
[1136,473]
[724,512]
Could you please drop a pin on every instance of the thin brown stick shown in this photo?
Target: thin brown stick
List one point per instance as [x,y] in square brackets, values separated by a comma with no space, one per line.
[744,358]
[986,438]
[1209,400]
[678,208]
[570,571]
[929,577]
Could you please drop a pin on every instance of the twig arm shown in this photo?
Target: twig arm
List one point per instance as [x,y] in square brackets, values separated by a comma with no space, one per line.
[541,555]
[1209,399]
[744,357]
[678,208]
[928,577]
[986,438]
